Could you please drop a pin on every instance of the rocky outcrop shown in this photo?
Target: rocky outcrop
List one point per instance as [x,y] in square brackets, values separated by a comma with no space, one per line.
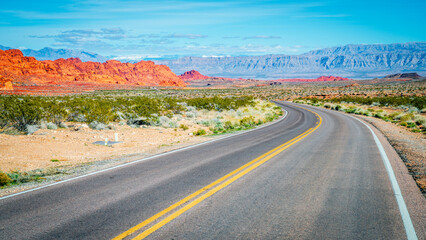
[319,79]
[6,83]
[192,75]
[404,75]
[351,61]
[331,78]
[146,73]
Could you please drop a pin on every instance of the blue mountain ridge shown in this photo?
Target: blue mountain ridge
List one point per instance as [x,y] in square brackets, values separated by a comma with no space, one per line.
[353,61]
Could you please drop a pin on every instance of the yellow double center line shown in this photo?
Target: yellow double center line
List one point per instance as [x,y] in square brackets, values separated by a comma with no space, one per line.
[212,188]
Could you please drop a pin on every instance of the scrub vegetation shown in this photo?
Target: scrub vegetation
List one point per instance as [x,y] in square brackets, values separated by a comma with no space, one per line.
[26,114]
[408,112]
[188,115]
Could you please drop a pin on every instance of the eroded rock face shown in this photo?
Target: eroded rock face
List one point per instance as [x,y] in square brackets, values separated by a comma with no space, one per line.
[6,83]
[192,75]
[145,73]
[404,75]
[331,78]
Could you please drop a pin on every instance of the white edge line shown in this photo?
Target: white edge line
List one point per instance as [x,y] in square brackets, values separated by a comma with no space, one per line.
[405,215]
[140,160]
[409,228]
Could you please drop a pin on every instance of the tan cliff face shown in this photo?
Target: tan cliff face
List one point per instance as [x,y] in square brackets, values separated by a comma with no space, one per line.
[144,73]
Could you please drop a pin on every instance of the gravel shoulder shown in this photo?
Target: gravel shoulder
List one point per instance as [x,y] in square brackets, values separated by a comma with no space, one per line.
[410,147]
[404,149]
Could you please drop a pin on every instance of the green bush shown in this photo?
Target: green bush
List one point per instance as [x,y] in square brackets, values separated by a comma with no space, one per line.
[22,111]
[404,124]
[184,127]
[200,132]
[418,102]
[406,117]
[247,122]
[220,103]
[4,179]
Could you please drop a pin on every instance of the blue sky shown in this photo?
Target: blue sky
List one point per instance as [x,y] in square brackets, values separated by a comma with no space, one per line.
[138,28]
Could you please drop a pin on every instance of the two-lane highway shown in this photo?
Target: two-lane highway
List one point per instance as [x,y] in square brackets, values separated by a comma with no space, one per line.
[308,176]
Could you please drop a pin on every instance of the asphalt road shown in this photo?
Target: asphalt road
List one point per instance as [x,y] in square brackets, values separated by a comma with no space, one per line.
[330,183]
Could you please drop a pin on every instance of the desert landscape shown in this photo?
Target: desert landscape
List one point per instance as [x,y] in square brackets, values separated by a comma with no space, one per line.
[398,99]
[210,120]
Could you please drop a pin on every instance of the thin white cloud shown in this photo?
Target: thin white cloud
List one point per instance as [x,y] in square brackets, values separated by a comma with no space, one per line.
[262,37]
[324,16]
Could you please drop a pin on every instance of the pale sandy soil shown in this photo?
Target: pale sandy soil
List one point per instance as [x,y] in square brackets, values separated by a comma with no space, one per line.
[71,148]
[65,153]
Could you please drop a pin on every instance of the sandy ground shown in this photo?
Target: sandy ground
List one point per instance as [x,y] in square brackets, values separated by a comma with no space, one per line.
[67,147]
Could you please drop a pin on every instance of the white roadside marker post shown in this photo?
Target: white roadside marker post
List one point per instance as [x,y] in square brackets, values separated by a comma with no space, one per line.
[106,141]
[116,137]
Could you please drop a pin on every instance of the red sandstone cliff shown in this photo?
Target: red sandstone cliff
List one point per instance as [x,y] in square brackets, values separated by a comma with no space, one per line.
[192,75]
[6,83]
[15,65]
[331,78]
[319,79]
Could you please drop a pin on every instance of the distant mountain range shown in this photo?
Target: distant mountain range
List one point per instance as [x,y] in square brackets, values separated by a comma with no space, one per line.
[53,54]
[353,61]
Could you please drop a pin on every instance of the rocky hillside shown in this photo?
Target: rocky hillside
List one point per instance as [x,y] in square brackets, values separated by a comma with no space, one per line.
[404,75]
[319,79]
[15,66]
[192,75]
[352,61]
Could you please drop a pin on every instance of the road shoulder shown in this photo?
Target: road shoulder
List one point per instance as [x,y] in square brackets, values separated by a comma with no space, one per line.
[414,200]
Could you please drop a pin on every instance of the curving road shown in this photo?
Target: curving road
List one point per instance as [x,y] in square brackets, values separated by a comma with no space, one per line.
[309,176]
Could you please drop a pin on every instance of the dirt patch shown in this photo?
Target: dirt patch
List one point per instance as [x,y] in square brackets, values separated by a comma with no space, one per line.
[67,147]
[65,153]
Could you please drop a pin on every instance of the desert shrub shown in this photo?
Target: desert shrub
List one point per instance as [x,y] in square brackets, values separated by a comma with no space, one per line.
[406,117]
[247,122]
[51,125]
[4,179]
[404,124]
[413,102]
[378,115]
[184,127]
[36,175]
[164,121]
[200,132]
[351,110]
[190,115]
[394,115]
[413,110]
[22,111]
[228,125]
[97,125]
[419,120]
[411,124]
[337,107]
[221,103]
[55,112]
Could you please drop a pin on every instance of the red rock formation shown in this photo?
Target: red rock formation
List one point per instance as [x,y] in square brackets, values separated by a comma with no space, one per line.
[320,79]
[192,75]
[6,84]
[331,78]
[13,63]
